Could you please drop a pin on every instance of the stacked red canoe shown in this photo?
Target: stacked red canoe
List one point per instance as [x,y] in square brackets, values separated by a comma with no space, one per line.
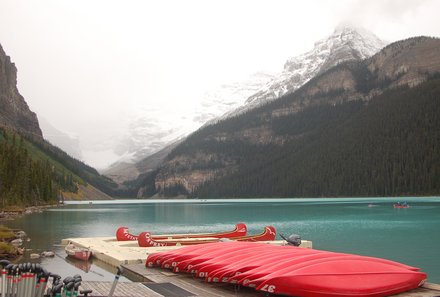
[145,239]
[289,270]
[123,234]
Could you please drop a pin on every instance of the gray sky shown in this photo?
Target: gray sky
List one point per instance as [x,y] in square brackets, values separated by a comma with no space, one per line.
[89,66]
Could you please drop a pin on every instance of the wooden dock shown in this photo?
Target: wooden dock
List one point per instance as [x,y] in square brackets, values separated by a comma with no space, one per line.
[115,253]
[154,282]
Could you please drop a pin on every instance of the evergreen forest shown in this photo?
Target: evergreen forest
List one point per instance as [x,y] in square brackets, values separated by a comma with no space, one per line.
[387,146]
[33,172]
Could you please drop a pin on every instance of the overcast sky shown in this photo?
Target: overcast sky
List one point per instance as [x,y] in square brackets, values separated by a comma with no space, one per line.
[89,66]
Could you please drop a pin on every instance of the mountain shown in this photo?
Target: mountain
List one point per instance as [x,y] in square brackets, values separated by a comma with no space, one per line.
[229,97]
[32,171]
[69,144]
[14,111]
[149,133]
[361,128]
[344,44]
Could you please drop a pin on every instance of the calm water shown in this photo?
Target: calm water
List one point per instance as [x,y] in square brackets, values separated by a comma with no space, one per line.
[409,235]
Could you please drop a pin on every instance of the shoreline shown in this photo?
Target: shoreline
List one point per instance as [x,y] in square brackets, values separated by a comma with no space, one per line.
[17,212]
[12,214]
[261,200]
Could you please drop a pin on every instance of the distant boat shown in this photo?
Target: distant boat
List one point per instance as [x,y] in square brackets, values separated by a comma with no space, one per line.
[401,205]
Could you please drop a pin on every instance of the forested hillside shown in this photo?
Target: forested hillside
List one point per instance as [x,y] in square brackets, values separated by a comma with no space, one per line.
[33,172]
[389,146]
[361,128]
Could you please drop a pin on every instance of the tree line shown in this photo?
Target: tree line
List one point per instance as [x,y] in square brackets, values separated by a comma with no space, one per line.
[25,180]
[388,146]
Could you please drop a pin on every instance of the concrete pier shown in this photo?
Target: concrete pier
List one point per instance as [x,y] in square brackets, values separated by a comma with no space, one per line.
[114,253]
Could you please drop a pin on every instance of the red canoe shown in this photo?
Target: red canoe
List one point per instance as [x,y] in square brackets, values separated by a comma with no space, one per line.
[240,268]
[255,276]
[357,277]
[186,252]
[265,252]
[253,257]
[145,239]
[158,259]
[196,251]
[189,264]
[122,234]
[78,252]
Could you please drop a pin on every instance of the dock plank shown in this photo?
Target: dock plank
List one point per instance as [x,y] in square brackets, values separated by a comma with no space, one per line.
[123,289]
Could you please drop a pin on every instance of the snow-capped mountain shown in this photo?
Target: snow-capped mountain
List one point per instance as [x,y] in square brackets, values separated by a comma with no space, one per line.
[150,132]
[229,97]
[346,43]
[147,133]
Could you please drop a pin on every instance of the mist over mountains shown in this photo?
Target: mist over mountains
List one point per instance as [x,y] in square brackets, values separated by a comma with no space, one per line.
[352,119]
[362,128]
[344,44]
[148,131]
[33,171]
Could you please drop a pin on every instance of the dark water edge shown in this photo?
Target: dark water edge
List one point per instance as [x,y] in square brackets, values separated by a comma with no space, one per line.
[366,226]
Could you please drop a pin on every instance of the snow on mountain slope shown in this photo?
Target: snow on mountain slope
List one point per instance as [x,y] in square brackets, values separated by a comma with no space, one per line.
[148,132]
[346,43]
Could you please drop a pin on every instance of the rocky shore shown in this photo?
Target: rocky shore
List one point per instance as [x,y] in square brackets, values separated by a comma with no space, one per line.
[10,243]
[12,213]
[12,240]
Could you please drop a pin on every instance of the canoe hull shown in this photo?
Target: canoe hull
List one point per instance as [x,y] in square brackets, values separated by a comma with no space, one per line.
[351,277]
[78,253]
[122,234]
[145,239]
[293,271]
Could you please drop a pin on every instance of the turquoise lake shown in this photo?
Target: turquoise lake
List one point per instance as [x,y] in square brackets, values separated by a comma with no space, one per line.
[366,226]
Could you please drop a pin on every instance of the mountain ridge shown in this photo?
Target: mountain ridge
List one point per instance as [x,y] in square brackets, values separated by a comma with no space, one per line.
[214,153]
[345,43]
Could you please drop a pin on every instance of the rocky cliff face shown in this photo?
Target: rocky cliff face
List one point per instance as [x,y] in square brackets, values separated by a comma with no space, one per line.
[203,156]
[14,111]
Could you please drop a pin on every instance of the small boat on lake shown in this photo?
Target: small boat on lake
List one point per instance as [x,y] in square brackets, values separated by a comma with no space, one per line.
[76,252]
[122,234]
[145,239]
[401,205]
